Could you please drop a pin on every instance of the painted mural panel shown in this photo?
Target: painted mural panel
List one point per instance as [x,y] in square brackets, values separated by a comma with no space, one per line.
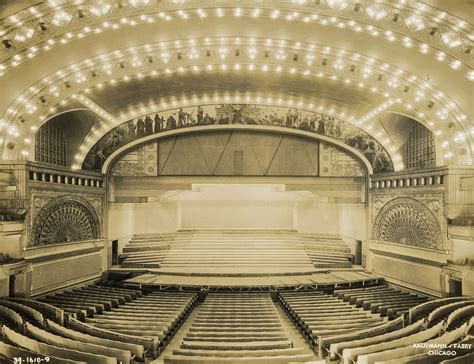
[239,114]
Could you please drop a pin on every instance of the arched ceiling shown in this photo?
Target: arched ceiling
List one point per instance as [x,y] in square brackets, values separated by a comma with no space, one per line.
[354,59]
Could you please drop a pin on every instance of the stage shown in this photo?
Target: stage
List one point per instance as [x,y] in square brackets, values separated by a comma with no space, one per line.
[320,279]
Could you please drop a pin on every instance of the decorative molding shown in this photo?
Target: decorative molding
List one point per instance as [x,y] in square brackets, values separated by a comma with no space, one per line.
[65,218]
[432,177]
[405,220]
[334,162]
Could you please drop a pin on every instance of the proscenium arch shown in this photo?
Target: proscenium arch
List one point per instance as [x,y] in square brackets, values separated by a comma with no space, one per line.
[258,128]
[97,136]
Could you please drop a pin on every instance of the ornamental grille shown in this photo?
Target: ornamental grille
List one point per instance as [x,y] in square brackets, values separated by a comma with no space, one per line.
[65,221]
[50,144]
[421,151]
[409,222]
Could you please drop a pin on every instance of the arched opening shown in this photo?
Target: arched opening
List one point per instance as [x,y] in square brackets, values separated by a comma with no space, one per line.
[58,139]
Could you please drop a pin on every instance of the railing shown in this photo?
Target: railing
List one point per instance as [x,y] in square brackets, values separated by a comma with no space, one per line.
[63,176]
[409,179]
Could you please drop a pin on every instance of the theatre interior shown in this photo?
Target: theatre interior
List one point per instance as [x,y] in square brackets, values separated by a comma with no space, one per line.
[236,181]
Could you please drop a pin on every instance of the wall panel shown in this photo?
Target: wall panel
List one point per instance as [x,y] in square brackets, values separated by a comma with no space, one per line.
[418,276]
[61,272]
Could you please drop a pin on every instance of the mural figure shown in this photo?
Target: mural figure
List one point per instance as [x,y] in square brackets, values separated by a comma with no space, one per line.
[148,125]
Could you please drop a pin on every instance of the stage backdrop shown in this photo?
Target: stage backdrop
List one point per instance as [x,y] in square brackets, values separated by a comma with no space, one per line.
[237,153]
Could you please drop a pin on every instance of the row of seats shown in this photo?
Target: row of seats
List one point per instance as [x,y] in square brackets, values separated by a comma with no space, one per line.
[110,312]
[385,300]
[409,344]
[28,334]
[450,321]
[450,311]
[101,325]
[146,251]
[424,309]
[320,315]
[232,328]
[86,301]
[237,328]
[154,317]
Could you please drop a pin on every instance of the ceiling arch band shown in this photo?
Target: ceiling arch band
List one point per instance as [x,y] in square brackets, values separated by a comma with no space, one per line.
[432,31]
[430,104]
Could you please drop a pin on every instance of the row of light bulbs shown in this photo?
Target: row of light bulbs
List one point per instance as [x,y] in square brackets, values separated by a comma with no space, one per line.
[90,140]
[370,128]
[323,20]
[236,67]
[343,56]
[111,121]
[376,11]
[61,74]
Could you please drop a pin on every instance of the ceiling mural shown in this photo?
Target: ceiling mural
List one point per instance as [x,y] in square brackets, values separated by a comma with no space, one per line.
[239,114]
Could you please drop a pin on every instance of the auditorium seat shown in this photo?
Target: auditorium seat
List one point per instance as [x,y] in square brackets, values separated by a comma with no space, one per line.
[48,311]
[369,353]
[97,314]
[424,309]
[387,301]
[320,315]
[136,350]
[237,328]
[442,312]
[148,344]
[421,354]
[11,315]
[330,344]
[8,352]
[56,351]
[25,311]
[443,308]
[123,356]
[155,316]
[459,317]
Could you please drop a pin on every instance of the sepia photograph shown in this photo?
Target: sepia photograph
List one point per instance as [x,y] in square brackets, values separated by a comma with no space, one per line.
[237,181]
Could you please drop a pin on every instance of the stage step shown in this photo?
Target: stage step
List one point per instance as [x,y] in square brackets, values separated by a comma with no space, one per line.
[254,250]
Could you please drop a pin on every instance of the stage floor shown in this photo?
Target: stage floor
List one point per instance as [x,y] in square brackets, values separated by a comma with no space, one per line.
[333,278]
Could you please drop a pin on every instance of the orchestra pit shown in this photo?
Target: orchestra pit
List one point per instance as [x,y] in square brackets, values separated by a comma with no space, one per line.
[236,181]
